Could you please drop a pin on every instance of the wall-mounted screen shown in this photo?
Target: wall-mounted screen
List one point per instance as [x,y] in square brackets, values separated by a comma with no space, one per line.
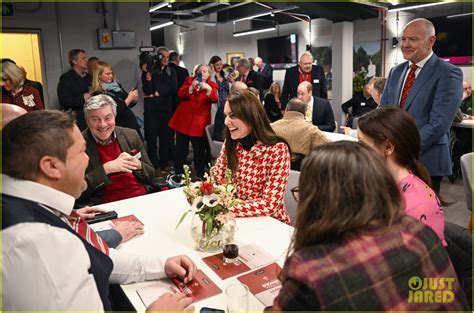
[454,39]
[280,52]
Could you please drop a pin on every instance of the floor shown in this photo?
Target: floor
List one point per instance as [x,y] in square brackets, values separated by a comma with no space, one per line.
[455,211]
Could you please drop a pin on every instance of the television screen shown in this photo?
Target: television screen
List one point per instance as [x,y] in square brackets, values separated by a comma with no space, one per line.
[454,39]
[280,52]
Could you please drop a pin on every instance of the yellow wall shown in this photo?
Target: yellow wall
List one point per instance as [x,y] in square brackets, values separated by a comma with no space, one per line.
[24,50]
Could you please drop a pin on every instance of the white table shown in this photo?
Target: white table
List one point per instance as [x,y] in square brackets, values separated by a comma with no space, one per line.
[160,212]
[464,124]
[338,137]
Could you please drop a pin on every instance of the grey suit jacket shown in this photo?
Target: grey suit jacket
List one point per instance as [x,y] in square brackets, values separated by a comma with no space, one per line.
[433,102]
[96,178]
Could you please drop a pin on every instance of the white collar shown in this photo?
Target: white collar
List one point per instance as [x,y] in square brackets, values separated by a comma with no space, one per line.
[39,193]
[422,62]
[311,102]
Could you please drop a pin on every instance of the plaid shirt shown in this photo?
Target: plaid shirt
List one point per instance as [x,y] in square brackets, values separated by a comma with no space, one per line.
[368,272]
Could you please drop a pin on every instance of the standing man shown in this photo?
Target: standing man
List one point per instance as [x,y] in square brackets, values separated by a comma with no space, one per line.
[266,75]
[304,71]
[159,88]
[181,75]
[430,90]
[73,86]
[247,75]
[318,111]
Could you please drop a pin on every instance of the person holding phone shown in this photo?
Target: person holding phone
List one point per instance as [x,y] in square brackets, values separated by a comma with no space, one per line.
[103,82]
[192,116]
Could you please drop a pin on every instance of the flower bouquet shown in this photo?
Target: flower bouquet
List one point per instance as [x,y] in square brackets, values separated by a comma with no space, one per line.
[210,202]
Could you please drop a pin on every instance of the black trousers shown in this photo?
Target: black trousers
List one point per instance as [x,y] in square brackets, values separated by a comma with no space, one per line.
[156,127]
[182,150]
[436,183]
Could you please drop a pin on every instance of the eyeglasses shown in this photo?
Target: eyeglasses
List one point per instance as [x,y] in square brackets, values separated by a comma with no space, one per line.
[295,192]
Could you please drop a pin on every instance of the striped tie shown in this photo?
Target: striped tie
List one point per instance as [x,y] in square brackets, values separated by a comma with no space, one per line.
[83,229]
[408,84]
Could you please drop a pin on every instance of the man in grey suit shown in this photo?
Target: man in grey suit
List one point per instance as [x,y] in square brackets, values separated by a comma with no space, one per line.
[430,90]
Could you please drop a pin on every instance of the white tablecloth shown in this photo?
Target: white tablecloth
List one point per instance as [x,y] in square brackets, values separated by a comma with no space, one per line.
[160,212]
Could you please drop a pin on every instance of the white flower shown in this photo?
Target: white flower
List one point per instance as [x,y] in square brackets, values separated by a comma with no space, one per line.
[198,204]
[210,200]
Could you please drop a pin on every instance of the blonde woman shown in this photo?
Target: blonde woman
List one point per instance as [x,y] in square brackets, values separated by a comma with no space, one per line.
[273,102]
[103,82]
[14,90]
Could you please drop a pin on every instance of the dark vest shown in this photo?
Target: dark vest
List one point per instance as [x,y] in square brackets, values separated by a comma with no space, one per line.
[16,210]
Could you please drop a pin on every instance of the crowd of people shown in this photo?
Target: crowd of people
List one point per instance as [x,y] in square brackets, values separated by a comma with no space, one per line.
[369,214]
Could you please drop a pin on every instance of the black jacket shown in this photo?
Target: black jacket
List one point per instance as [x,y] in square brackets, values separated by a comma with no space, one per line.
[165,82]
[71,90]
[323,116]
[291,82]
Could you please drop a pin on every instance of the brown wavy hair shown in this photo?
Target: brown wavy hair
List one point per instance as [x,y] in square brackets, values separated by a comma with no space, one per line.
[345,188]
[247,107]
[399,128]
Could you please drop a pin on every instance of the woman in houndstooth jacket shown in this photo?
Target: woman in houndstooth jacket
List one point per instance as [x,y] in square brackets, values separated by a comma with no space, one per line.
[258,158]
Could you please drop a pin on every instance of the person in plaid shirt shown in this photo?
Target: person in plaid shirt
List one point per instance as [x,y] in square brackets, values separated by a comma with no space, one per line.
[354,248]
[258,158]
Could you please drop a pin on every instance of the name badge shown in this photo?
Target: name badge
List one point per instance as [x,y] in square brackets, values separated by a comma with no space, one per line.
[316,81]
[362,104]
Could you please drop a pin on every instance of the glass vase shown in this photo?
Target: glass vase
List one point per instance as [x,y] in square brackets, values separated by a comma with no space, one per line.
[213,242]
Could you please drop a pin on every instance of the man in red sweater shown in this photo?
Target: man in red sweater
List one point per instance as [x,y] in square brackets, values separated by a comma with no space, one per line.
[119,167]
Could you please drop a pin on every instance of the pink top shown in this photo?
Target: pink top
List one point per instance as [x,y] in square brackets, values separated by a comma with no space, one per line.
[422,203]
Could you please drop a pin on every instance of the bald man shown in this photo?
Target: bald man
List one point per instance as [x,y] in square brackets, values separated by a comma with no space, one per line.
[304,71]
[430,90]
[10,112]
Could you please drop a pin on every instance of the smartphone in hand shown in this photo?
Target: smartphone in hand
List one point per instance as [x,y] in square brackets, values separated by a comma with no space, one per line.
[199,77]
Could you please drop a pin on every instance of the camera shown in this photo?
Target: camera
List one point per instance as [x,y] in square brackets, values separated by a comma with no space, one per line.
[150,57]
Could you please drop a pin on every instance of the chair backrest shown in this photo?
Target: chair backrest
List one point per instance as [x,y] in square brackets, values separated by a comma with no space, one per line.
[215,146]
[355,122]
[290,202]
[336,130]
[466,168]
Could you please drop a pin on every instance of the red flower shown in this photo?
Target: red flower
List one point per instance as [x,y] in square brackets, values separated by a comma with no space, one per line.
[223,181]
[206,188]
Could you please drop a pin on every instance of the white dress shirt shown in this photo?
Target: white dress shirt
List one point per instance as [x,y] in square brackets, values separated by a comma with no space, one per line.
[418,69]
[309,111]
[47,268]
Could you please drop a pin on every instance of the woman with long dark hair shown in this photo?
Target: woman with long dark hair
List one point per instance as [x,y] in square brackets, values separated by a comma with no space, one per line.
[353,249]
[258,158]
[393,134]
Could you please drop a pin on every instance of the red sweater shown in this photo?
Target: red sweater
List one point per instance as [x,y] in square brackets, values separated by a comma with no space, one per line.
[28,98]
[122,185]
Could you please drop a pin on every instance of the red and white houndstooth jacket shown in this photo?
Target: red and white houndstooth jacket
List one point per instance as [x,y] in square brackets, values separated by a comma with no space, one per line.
[261,179]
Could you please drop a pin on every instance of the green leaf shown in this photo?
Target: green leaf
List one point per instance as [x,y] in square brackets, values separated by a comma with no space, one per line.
[182,218]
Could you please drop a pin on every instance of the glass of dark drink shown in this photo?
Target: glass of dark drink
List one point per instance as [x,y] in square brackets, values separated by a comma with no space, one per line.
[231,253]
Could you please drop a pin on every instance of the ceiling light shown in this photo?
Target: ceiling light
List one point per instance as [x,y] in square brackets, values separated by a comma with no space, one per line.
[272,13]
[255,31]
[161,25]
[459,15]
[158,6]
[411,7]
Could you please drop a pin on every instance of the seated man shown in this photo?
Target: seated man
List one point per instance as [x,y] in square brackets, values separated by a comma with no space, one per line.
[47,266]
[119,166]
[302,136]
[113,237]
[361,103]
[319,110]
